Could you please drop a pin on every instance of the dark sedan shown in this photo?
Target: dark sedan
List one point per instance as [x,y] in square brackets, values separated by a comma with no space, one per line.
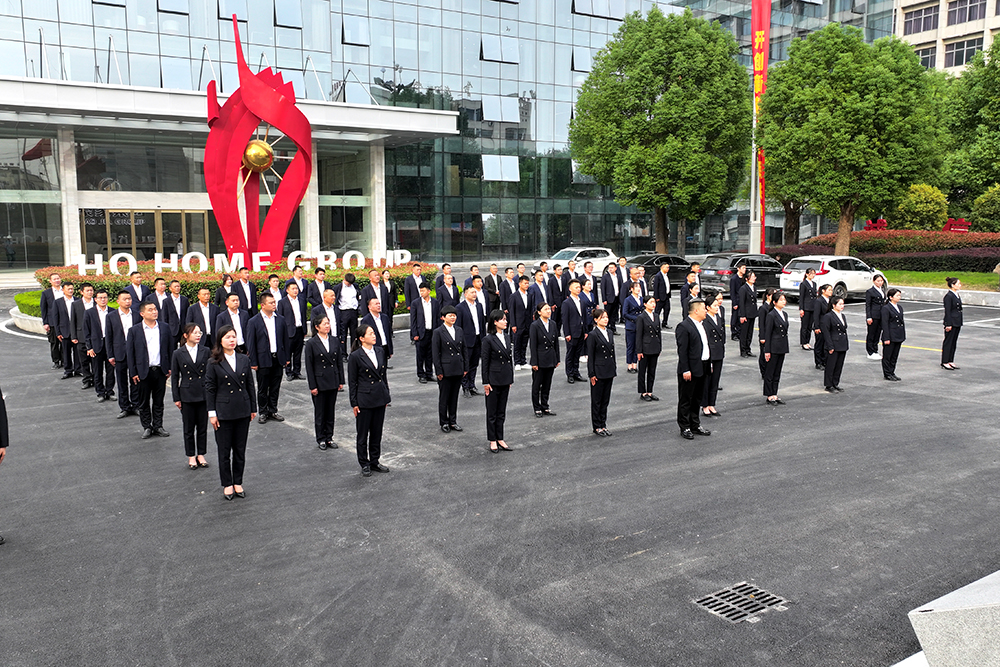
[717,269]
[652,261]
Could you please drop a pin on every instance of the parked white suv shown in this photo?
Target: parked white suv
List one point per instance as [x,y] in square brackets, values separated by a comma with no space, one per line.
[848,275]
[601,257]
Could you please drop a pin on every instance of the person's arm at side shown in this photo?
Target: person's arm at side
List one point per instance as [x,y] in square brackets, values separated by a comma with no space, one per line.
[175,374]
[352,383]
[307,360]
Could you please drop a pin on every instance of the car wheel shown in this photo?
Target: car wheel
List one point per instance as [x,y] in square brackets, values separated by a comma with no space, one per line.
[840,291]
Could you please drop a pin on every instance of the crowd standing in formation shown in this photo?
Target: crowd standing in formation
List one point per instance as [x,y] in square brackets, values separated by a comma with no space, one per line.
[226,354]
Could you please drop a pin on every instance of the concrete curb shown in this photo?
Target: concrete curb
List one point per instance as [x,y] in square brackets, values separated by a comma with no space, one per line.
[27,322]
[935,295]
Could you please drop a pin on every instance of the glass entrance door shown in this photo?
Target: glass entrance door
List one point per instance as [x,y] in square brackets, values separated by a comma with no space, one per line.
[144,233]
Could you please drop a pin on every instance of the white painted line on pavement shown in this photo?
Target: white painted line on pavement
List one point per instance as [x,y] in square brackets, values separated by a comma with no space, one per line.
[5,327]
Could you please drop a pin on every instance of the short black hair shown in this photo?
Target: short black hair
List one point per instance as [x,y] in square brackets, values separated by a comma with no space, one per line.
[448,310]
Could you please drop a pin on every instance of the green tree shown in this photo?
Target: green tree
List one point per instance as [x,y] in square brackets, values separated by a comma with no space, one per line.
[922,207]
[664,118]
[986,211]
[847,125]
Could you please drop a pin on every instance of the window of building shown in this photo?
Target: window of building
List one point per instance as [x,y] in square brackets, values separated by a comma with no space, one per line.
[501,168]
[960,11]
[928,57]
[920,20]
[606,9]
[173,6]
[356,31]
[957,54]
[229,7]
[288,13]
[501,109]
[495,48]
[113,3]
[582,60]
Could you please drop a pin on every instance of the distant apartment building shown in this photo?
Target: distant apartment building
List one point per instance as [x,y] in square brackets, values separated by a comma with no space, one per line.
[946,34]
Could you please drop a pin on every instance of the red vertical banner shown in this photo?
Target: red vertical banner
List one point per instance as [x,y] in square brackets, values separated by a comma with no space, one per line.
[760,31]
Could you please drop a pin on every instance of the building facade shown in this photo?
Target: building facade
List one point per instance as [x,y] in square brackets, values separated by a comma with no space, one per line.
[102,121]
[946,34]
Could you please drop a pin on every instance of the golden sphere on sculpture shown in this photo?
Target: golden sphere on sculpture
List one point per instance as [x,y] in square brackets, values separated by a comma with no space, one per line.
[258,156]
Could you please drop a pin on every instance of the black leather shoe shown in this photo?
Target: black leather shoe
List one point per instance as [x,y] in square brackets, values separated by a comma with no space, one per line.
[579,378]
[701,430]
[687,434]
[276,417]
[378,467]
[262,418]
[55,365]
[548,413]
[321,445]
[332,445]
[445,428]
[85,386]
[465,392]
[570,380]
[645,397]
[600,432]
[228,496]
[830,390]
[1,539]
[819,367]
[455,427]
[654,397]
[422,380]
[538,413]
[147,434]
[473,392]
[66,376]
[122,415]
[751,354]
[607,433]
[892,378]
[954,367]
[163,433]
[366,471]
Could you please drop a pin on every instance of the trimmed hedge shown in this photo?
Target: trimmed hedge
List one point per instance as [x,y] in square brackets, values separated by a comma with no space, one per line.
[982,260]
[29,303]
[906,240]
[192,282]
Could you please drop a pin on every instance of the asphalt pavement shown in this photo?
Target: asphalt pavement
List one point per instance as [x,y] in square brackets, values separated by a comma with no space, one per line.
[571,550]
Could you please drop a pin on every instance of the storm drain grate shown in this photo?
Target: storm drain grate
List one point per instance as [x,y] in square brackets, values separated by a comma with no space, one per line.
[742,602]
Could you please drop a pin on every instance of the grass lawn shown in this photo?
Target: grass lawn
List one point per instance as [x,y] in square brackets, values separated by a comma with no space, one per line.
[980,282]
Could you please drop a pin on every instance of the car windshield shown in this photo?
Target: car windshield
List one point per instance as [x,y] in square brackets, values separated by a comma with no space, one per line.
[803,264]
[639,259]
[715,263]
[565,254]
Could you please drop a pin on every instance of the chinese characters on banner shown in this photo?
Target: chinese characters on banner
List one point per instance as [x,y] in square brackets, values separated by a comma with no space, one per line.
[760,31]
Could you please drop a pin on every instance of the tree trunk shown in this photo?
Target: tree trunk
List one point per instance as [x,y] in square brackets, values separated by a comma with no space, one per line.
[661,230]
[793,216]
[844,229]
[681,236]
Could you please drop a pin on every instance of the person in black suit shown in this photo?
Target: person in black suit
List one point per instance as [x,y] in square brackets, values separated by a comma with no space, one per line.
[447,293]
[204,314]
[138,291]
[119,328]
[177,306]
[491,284]
[775,327]
[952,323]
[325,374]
[557,292]
[602,367]
[267,350]
[390,307]
[834,326]
[4,435]
[450,366]
[425,317]
[375,289]
[893,334]
[369,392]
[648,345]
[762,313]
[80,309]
[95,332]
[382,323]
[736,282]
[519,317]
[540,292]
[543,339]
[748,313]
[661,292]
[498,376]
[632,307]
[439,280]
[237,318]
[246,290]
[589,300]
[874,300]
[63,318]
[328,307]
[821,306]
[223,292]
[508,285]
[231,400]
[693,366]
[715,329]
[298,278]
[574,328]
[411,286]
[611,294]
[472,321]
[687,289]
[149,355]
[473,274]
[807,296]
[188,366]
[347,298]
[48,300]
[292,309]
[314,293]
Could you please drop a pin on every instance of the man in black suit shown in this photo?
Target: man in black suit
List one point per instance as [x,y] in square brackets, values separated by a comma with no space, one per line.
[425,317]
[95,331]
[519,318]
[80,308]
[177,305]
[136,289]
[450,365]
[472,321]
[693,366]
[540,292]
[293,309]
[611,294]
[204,313]
[748,313]
[348,300]
[821,306]
[661,292]
[836,344]
[382,323]
[507,287]
[874,300]
[807,298]
[491,283]
[574,331]
[411,286]
[328,308]
[149,353]
[558,293]
[48,300]
[736,283]
[268,352]
[316,288]
[298,278]
[375,289]
[63,309]
[439,280]
[893,334]
[689,282]
[236,317]
[595,281]
[473,274]
[246,290]
[119,329]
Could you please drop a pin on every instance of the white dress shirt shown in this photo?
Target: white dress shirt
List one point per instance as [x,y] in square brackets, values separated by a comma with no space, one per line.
[102,316]
[246,291]
[325,340]
[294,303]
[371,355]
[235,318]
[349,297]
[152,334]
[177,303]
[272,338]
[705,352]
[126,319]
[475,316]
[192,350]
[426,305]
[207,316]
[231,358]
[380,329]
[451,331]
[331,314]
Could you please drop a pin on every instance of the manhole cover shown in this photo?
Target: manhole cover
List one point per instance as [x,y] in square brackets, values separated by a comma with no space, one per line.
[742,602]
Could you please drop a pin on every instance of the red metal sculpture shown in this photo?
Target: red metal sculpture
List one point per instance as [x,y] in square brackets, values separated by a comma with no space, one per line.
[234,160]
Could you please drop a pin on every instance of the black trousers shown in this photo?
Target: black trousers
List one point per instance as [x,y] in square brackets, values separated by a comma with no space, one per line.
[370,422]
[541,383]
[128,391]
[647,372]
[473,354]
[83,361]
[448,388]
[194,416]
[949,345]
[348,327]
[103,373]
[574,348]
[630,354]
[746,334]
[295,345]
[70,358]
[324,407]
[600,398]
[890,355]
[613,309]
[689,397]
[425,358]
[734,322]
[55,346]
[231,439]
[806,328]
[269,386]
[819,349]
[711,391]
[772,374]
[834,366]
[663,310]
[496,411]
[874,332]
[520,343]
[151,392]
[760,360]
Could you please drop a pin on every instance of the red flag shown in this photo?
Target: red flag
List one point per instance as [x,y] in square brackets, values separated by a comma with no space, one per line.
[760,33]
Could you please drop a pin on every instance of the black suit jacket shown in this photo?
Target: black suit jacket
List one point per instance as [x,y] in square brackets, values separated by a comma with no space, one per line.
[114,340]
[418,328]
[574,322]
[686,297]
[4,430]
[314,295]
[775,333]
[225,318]
[187,376]
[231,394]
[689,348]
[138,295]
[367,384]
[535,298]
[220,297]
[893,326]
[138,353]
[952,309]
[606,289]
[874,300]
[324,370]
[411,290]
[505,291]
[491,284]
[369,319]
[63,318]
[518,315]
[820,308]
[448,354]
[194,315]
[648,334]
[661,287]
[446,298]
[544,344]
[466,323]
[498,362]
[250,304]
[79,317]
[748,301]
[807,295]
[835,333]
[715,328]
[92,329]
[369,293]
[258,344]
[48,301]
[735,285]
[176,321]
[287,311]
[601,362]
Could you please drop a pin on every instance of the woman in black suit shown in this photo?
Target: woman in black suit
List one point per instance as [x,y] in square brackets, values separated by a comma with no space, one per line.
[223,292]
[631,309]
[324,362]
[447,294]
[498,376]
[369,393]
[648,345]
[715,330]
[588,301]
[835,339]
[188,366]
[952,323]
[602,367]
[748,313]
[762,313]
[893,333]
[393,292]
[232,404]
[775,347]
[543,341]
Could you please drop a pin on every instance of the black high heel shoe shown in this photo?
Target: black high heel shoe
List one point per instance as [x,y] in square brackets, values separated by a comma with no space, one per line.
[504,447]
[493,447]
